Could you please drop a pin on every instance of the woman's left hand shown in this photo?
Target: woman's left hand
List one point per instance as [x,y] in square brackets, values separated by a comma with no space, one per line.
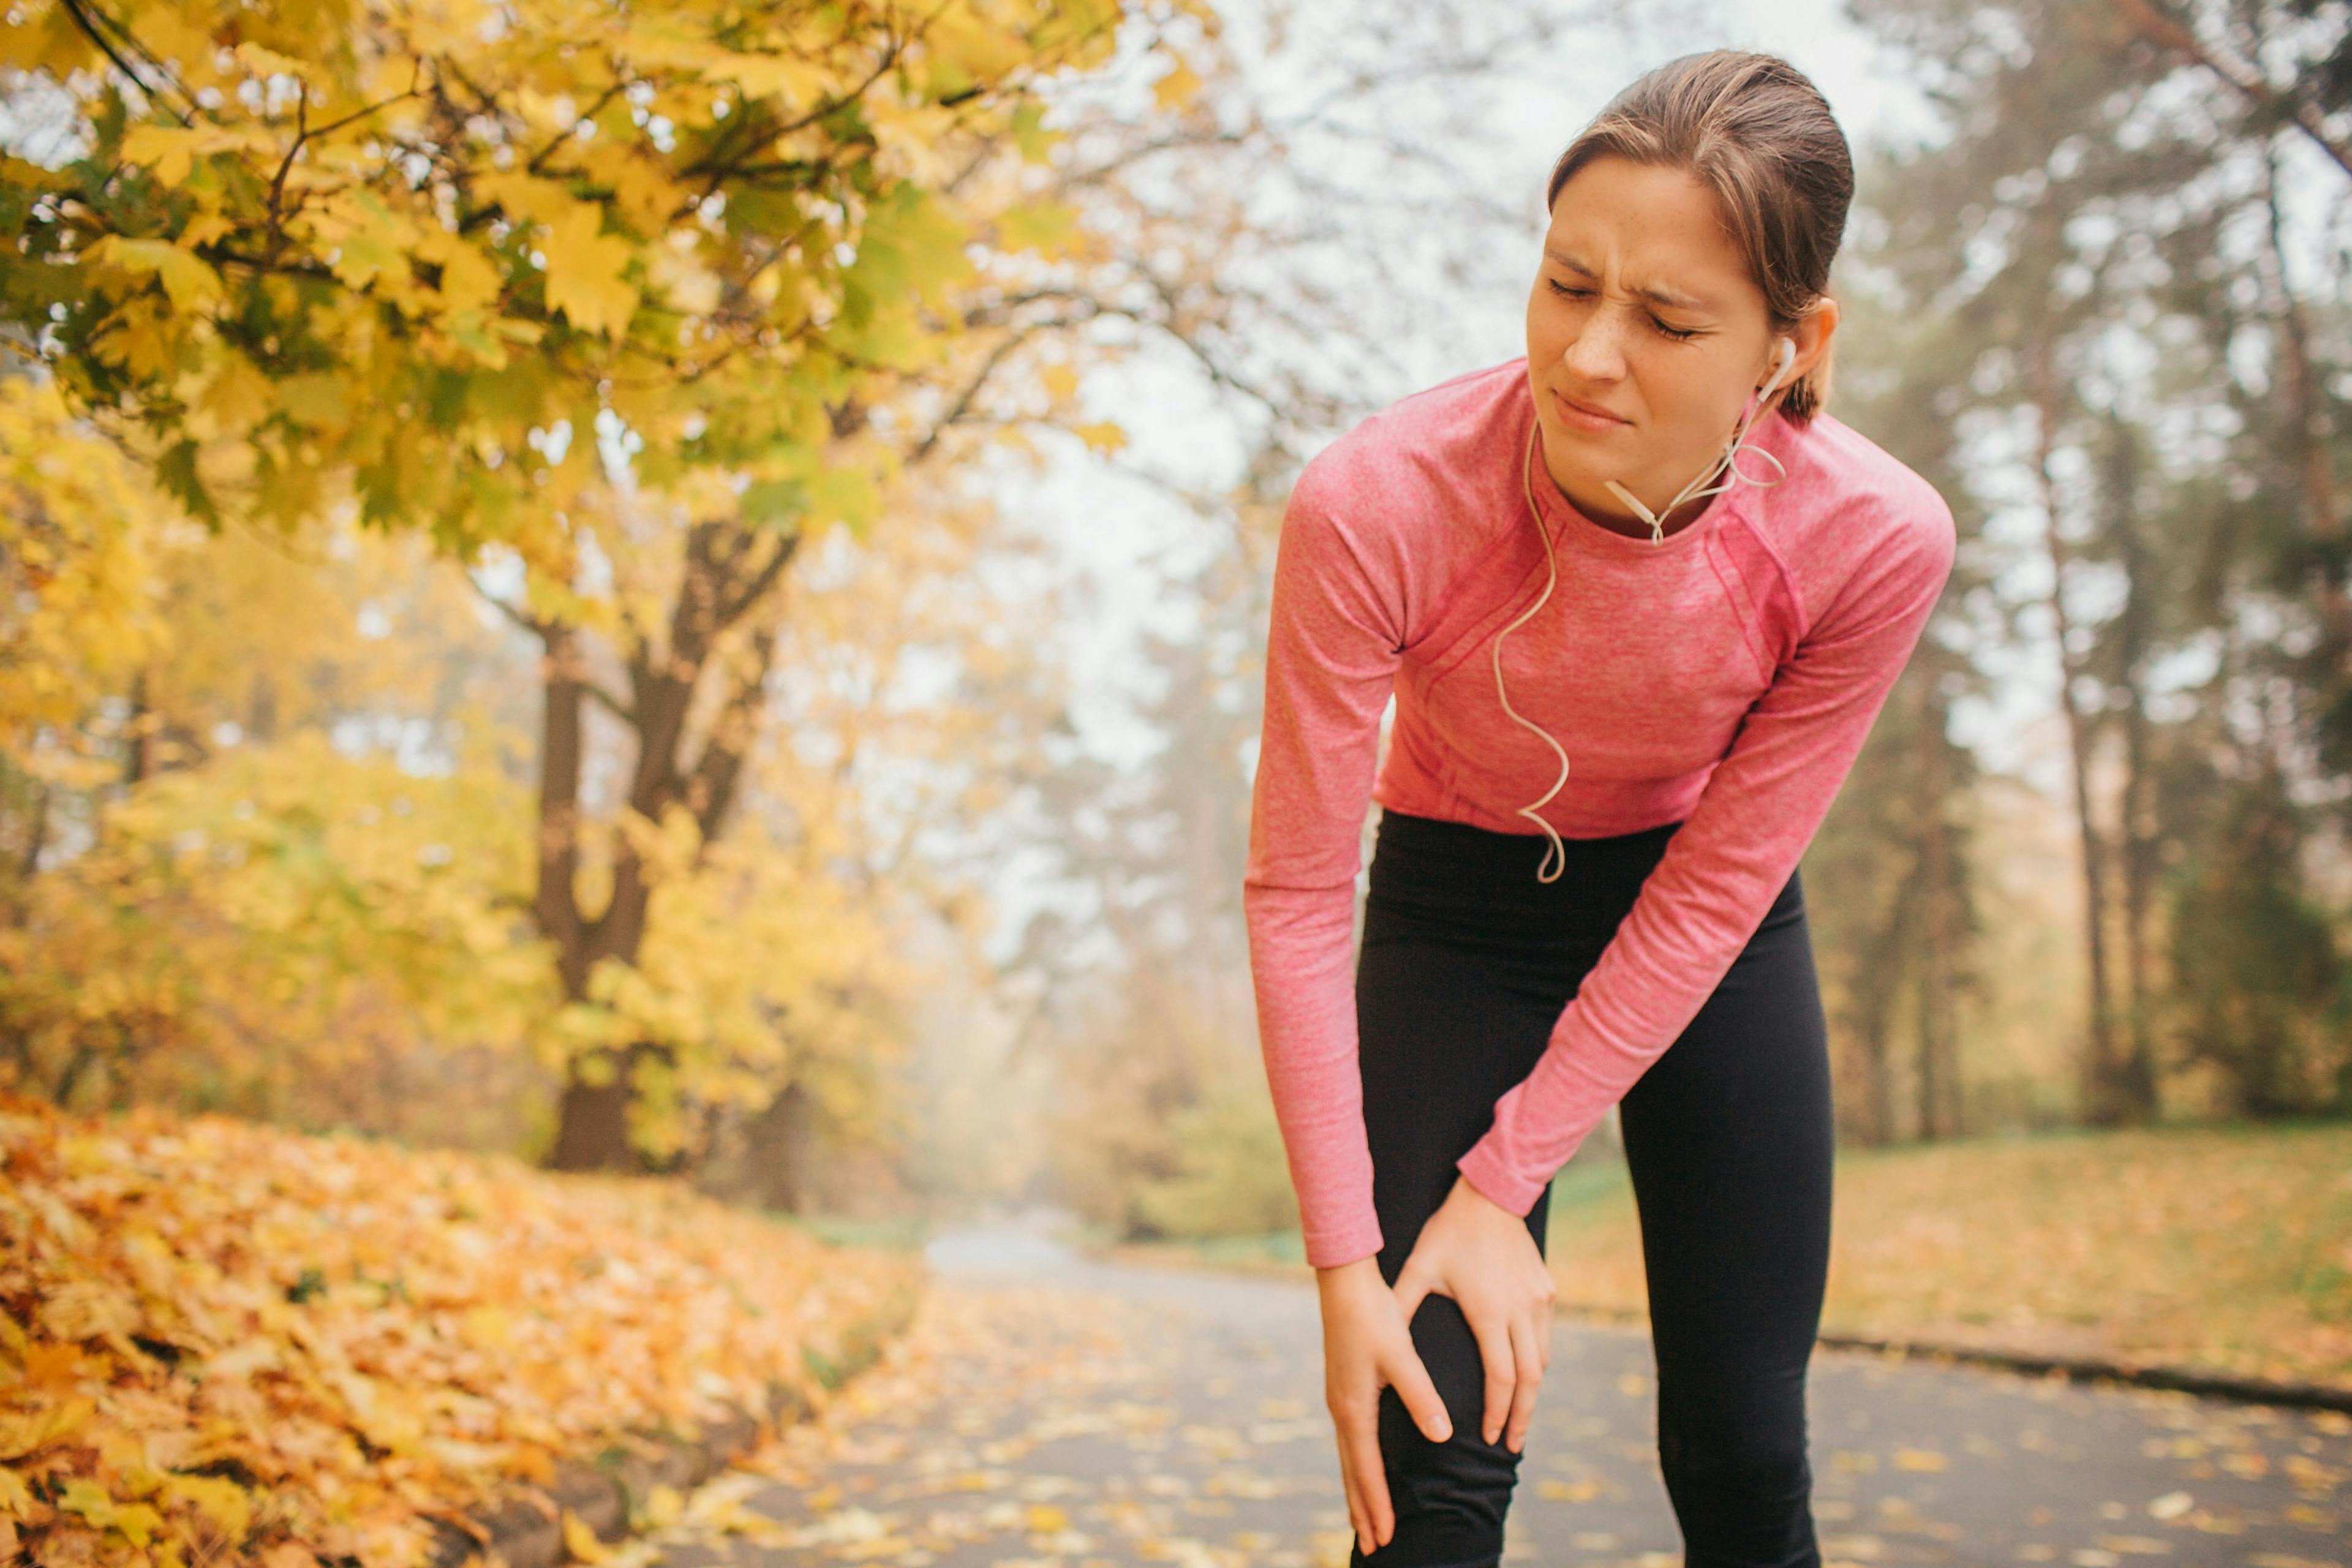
[1481,1254]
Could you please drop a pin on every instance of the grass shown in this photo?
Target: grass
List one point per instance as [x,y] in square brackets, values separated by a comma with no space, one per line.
[2225,1247]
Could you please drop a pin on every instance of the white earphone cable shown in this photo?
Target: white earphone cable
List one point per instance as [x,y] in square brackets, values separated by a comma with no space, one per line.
[1555,858]
[1730,458]
[1557,851]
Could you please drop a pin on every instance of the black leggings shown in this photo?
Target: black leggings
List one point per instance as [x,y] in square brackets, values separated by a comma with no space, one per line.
[1467,961]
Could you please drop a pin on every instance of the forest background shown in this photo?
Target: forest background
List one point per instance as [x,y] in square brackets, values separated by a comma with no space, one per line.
[651,595]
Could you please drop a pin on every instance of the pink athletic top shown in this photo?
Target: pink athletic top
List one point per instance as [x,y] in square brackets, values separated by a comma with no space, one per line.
[1724,678]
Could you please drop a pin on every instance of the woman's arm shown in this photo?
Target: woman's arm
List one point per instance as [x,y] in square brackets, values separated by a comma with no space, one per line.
[1338,620]
[1723,868]
[1332,657]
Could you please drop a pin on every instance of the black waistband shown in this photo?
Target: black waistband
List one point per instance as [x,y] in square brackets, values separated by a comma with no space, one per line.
[1431,863]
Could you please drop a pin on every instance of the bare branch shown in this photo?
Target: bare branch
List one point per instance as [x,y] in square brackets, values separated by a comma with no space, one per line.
[2143,17]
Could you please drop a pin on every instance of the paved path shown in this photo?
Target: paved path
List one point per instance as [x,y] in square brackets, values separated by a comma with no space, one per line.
[1050,1412]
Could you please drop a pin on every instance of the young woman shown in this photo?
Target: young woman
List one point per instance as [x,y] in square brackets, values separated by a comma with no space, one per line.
[1627,688]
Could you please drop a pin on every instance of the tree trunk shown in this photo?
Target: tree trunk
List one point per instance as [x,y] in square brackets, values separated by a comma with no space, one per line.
[728,573]
[2102,1102]
[2136,833]
[592,1130]
[1942,1110]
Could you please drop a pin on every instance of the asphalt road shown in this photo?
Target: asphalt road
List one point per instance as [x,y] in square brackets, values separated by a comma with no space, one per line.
[1049,1410]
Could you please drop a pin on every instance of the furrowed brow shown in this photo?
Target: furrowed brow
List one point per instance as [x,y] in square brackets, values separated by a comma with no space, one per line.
[1652,292]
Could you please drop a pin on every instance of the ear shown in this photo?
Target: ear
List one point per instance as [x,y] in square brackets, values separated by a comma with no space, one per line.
[1812,333]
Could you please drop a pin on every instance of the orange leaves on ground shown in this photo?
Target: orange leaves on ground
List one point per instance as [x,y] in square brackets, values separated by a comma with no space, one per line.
[218,1337]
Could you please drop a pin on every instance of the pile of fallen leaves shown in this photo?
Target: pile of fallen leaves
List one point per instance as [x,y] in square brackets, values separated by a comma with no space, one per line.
[223,1341]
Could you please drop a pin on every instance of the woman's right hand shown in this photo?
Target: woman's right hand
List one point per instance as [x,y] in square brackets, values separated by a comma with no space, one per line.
[1367,1345]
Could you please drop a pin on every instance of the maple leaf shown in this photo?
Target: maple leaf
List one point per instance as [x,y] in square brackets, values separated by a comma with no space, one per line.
[583,272]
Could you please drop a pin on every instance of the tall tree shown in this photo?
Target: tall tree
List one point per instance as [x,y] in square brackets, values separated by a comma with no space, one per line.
[2096,229]
[589,287]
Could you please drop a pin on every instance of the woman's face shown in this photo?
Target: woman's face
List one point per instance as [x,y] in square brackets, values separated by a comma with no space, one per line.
[1645,336]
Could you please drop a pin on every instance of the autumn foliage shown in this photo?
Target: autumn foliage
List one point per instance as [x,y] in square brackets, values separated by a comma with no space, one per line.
[216,1338]
[619,306]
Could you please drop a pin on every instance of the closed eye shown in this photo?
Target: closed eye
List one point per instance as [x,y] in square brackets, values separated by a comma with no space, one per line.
[1679,334]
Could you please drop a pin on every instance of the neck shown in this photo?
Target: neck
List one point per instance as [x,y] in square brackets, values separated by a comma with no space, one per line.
[1591,499]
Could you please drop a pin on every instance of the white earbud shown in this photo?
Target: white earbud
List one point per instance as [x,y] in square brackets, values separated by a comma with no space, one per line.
[1729,459]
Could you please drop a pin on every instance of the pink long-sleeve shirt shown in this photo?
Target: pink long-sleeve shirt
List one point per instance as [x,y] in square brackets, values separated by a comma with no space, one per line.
[1724,678]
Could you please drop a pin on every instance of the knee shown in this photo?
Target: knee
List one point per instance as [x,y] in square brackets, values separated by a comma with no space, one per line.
[1451,1497]
[1741,1473]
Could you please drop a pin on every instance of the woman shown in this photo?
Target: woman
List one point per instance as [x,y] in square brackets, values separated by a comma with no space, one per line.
[1626,689]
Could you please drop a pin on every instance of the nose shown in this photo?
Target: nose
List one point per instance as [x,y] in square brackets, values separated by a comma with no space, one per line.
[1597,351]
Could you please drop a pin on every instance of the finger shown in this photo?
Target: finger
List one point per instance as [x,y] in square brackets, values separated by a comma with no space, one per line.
[1360,1435]
[1410,1377]
[1359,1515]
[1529,1352]
[1411,1288]
[1502,1374]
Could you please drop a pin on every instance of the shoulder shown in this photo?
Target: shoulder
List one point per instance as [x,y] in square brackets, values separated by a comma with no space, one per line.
[1850,520]
[1385,471]
[1397,509]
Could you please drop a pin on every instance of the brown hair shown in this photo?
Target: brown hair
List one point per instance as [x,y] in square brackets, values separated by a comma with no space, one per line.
[1755,130]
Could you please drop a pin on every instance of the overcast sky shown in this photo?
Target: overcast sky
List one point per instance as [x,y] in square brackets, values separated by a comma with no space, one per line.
[1113,530]
[1118,537]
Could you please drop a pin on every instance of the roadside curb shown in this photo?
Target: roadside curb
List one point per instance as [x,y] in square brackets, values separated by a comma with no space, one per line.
[2073,1368]
[524,1528]
[2086,1369]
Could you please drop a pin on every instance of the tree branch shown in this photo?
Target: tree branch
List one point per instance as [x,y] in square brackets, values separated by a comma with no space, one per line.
[2143,17]
[543,631]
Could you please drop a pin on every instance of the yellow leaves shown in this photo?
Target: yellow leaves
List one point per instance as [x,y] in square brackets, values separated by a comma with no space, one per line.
[1031,136]
[1176,89]
[280,896]
[643,192]
[527,198]
[468,282]
[82,542]
[811,267]
[793,82]
[967,47]
[1041,226]
[136,1522]
[677,274]
[1103,435]
[23,1434]
[265,62]
[583,272]
[190,282]
[487,1328]
[341,1263]
[370,241]
[228,1505]
[237,397]
[170,152]
[89,1310]
[318,400]
[581,1541]
[1568,1491]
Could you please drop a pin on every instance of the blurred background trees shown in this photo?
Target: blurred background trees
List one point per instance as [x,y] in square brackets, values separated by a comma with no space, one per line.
[683,591]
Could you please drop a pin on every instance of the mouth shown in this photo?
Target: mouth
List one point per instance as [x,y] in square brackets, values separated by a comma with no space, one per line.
[1584,416]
